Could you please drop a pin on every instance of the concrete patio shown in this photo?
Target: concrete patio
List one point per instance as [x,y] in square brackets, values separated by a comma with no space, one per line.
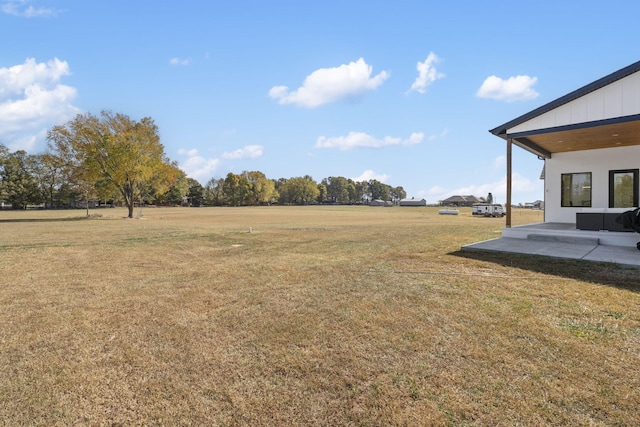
[563,240]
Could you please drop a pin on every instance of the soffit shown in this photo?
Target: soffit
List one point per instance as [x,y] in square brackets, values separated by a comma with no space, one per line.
[610,135]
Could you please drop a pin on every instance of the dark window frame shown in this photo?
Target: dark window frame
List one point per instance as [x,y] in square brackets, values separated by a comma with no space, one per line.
[636,180]
[567,203]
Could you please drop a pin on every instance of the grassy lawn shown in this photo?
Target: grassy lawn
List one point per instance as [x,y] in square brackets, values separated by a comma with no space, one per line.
[319,316]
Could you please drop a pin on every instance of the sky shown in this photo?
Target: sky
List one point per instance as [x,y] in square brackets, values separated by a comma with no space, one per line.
[401,91]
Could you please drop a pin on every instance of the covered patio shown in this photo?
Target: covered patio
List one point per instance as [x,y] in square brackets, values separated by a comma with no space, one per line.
[563,240]
[589,140]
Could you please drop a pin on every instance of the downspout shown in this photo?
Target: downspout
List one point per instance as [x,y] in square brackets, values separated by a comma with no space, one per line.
[509,159]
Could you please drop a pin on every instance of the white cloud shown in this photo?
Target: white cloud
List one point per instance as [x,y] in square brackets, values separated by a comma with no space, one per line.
[248,152]
[517,88]
[178,61]
[519,185]
[188,153]
[331,84]
[23,9]
[427,73]
[500,162]
[32,100]
[363,140]
[369,175]
[197,167]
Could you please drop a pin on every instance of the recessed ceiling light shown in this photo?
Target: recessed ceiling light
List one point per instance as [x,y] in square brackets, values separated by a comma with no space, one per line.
[614,134]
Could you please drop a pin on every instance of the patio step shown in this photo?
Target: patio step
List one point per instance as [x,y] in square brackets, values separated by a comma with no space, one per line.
[593,241]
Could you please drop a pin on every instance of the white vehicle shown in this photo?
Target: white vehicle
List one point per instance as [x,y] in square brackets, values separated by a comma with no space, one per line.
[487,210]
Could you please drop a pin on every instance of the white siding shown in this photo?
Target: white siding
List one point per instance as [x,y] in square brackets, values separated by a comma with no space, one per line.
[599,163]
[631,94]
[619,99]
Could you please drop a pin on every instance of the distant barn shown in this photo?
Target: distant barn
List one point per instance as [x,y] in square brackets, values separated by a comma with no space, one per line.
[378,202]
[413,202]
[461,201]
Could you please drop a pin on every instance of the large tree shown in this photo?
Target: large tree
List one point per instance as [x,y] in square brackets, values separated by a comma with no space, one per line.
[379,190]
[236,189]
[300,190]
[263,190]
[213,195]
[196,193]
[113,149]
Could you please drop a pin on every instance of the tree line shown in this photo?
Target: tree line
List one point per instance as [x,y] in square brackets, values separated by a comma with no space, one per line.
[111,157]
[254,188]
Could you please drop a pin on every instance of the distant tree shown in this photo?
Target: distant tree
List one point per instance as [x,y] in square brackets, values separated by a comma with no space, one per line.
[169,177]
[196,193]
[300,191]
[362,192]
[176,193]
[51,178]
[236,189]
[337,189]
[213,194]
[352,190]
[18,178]
[322,192]
[122,152]
[397,194]
[262,191]
[63,185]
[379,190]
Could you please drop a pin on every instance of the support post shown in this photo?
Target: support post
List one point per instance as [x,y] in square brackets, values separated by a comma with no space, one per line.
[509,160]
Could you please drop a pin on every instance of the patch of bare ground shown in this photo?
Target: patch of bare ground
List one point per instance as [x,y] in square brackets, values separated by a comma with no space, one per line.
[319,316]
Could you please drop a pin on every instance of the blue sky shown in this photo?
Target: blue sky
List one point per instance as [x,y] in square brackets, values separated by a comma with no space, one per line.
[400,91]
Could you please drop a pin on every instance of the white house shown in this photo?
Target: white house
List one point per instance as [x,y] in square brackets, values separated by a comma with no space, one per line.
[589,140]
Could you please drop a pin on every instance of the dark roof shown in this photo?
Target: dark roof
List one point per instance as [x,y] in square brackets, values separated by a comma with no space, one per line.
[607,80]
[462,199]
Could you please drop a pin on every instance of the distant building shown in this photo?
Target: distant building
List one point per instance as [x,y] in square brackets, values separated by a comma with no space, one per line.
[378,202]
[413,202]
[461,201]
[538,204]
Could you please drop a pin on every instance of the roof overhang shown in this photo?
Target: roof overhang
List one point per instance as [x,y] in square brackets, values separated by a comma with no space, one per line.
[610,130]
[611,133]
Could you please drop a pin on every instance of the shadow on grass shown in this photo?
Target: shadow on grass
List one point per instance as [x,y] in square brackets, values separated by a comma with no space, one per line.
[608,274]
[76,218]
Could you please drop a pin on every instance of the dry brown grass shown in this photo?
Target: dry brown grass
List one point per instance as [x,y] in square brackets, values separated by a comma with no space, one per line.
[320,316]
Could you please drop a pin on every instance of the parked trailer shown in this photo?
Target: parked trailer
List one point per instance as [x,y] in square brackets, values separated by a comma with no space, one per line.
[487,210]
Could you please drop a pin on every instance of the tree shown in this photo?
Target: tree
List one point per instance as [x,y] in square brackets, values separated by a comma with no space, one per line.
[263,190]
[337,189]
[362,191]
[322,192]
[18,183]
[213,195]
[301,190]
[196,193]
[236,189]
[379,190]
[176,192]
[121,152]
[51,178]
[397,194]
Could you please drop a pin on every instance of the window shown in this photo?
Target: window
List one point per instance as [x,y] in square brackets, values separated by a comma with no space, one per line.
[576,189]
[623,188]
